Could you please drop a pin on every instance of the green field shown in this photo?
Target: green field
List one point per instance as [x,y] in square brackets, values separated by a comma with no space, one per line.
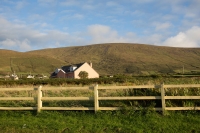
[102,122]
[124,121]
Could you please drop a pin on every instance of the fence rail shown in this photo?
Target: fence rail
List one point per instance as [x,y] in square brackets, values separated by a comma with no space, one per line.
[40,98]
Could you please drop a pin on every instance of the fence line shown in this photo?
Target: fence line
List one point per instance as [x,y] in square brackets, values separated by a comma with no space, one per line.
[40,98]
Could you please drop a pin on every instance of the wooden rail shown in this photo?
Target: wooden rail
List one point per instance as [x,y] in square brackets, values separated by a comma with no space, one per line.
[40,98]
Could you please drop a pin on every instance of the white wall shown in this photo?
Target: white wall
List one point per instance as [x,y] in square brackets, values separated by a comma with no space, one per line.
[86,67]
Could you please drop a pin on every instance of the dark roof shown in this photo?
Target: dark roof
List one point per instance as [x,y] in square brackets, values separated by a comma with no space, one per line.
[67,68]
[53,75]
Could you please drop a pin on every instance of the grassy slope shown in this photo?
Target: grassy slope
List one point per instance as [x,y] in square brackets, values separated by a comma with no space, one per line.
[129,58]
[26,62]
[106,58]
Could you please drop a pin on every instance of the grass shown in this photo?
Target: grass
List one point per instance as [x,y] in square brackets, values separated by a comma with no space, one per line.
[101,122]
[108,59]
[108,93]
[26,63]
[124,121]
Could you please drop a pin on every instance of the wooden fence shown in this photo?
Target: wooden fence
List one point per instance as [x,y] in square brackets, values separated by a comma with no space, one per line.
[96,98]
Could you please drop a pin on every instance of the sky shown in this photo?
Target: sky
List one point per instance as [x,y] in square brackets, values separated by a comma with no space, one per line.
[27,25]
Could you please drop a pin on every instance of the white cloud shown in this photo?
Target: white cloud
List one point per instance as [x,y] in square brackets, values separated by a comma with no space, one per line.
[162,26]
[152,39]
[22,37]
[190,15]
[78,16]
[71,16]
[101,33]
[46,1]
[88,7]
[25,45]
[140,1]
[21,4]
[15,44]
[189,38]
[70,3]
[8,43]
[193,9]
[111,3]
[36,17]
[104,34]
[167,17]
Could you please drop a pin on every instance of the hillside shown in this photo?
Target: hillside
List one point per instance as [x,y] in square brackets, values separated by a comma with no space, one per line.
[26,63]
[107,59]
[129,58]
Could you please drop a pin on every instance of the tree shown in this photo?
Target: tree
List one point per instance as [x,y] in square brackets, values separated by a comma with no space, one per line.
[83,74]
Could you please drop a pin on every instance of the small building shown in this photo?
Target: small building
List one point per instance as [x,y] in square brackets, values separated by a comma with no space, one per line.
[30,77]
[14,76]
[72,71]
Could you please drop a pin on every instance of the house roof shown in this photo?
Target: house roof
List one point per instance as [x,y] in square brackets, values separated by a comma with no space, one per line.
[53,74]
[67,68]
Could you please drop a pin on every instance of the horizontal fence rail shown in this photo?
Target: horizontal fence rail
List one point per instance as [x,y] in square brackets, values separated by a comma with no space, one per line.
[40,97]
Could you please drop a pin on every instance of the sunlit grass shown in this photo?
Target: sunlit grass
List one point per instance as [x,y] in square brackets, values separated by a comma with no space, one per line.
[105,121]
[108,59]
[126,120]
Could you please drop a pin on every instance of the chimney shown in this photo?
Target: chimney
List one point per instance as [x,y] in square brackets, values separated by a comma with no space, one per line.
[90,64]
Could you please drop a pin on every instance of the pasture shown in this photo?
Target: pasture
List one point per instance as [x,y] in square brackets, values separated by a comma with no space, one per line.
[101,122]
[125,120]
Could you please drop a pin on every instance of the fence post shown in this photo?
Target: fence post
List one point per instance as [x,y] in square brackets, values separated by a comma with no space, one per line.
[39,101]
[96,101]
[162,90]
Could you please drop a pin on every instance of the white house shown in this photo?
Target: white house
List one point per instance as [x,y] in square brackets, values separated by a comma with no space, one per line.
[72,71]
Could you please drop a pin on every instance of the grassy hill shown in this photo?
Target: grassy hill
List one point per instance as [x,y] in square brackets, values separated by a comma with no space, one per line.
[26,63]
[106,58]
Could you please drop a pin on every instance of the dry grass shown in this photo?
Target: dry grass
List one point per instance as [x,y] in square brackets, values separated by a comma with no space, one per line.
[107,59]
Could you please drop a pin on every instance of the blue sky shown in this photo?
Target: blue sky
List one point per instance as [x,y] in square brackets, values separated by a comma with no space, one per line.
[38,24]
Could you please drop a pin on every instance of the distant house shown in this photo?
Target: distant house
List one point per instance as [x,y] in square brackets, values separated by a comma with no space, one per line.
[14,76]
[30,77]
[72,71]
